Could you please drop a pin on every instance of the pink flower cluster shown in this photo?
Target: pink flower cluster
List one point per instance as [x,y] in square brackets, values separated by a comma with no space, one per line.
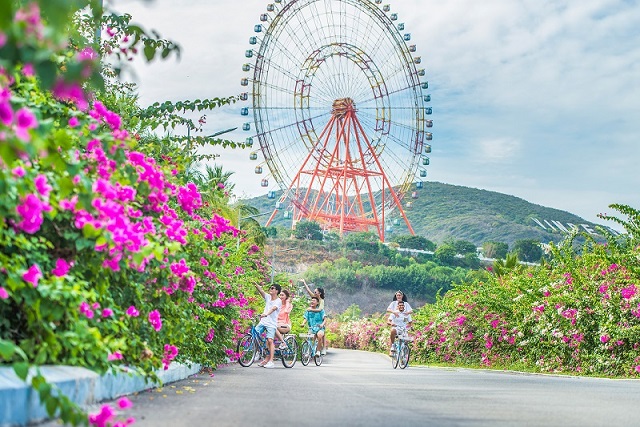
[32,275]
[170,353]
[106,416]
[189,198]
[155,320]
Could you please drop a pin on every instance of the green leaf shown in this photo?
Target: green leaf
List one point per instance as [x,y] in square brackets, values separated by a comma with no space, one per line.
[51,405]
[7,349]
[149,52]
[21,369]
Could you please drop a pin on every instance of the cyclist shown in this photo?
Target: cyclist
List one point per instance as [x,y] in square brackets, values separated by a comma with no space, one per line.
[397,297]
[399,322]
[315,320]
[284,321]
[319,293]
[269,320]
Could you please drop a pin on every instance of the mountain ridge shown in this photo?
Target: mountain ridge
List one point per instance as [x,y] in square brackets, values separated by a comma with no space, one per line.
[442,212]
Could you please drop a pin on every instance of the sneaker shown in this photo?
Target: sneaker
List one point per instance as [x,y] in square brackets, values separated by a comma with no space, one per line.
[324,351]
[269,365]
[283,346]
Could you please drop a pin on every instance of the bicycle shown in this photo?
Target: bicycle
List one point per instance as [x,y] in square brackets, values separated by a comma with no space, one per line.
[308,350]
[253,344]
[400,349]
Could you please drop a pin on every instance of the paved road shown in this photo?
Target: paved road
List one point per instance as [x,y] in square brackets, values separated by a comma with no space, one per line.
[354,388]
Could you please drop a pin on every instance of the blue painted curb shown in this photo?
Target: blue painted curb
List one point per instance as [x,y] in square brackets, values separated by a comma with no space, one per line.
[20,404]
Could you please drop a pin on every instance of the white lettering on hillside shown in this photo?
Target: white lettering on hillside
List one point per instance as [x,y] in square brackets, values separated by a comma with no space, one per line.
[554,225]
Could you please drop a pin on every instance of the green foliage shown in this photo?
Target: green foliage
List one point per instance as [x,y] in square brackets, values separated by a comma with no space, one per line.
[576,313]
[446,254]
[528,250]
[503,266]
[496,250]
[308,230]
[364,241]
[414,242]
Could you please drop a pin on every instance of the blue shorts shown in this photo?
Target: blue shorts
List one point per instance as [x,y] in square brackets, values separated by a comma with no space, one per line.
[271,331]
[315,329]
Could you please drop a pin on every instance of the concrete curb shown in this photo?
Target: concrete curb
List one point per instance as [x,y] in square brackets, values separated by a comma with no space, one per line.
[20,404]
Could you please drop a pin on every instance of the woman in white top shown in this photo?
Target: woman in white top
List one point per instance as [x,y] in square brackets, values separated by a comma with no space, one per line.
[393,307]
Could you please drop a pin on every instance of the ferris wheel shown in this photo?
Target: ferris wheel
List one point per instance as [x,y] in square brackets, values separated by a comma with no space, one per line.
[339,111]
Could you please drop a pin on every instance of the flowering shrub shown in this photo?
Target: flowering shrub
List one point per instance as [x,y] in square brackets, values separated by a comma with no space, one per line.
[359,334]
[579,313]
[108,257]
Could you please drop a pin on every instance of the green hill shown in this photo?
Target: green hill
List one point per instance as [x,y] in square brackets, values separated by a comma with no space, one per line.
[443,211]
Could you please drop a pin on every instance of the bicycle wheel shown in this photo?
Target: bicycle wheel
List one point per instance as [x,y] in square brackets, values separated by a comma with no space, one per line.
[405,352]
[305,353]
[318,359]
[395,356]
[246,350]
[290,354]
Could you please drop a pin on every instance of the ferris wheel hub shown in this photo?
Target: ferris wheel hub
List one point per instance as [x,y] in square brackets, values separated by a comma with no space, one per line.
[342,106]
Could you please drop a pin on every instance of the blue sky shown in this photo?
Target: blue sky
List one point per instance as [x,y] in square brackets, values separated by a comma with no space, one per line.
[539,99]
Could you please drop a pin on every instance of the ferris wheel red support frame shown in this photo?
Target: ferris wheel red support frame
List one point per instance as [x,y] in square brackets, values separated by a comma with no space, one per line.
[339,184]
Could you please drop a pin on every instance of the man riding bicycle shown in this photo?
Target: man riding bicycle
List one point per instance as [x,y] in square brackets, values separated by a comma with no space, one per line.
[400,322]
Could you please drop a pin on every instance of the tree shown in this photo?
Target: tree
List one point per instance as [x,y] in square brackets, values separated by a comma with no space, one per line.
[308,230]
[446,254]
[496,250]
[528,250]
[362,240]
[464,247]
[414,242]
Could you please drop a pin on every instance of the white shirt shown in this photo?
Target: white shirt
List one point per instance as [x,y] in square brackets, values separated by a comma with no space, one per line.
[272,319]
[400,320]
[394,306]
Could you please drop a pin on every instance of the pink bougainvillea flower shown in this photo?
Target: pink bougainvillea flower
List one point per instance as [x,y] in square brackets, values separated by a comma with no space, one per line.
[62,268]
[32,275]
[107,312]
[204,262]
[71,92]
[179,268]
[132,311]
[102,418]
[6,112]
[170,353]
[155,320]
[27,70]
[73,122]
[210,335]
[24,121]
[18,172]
[628,292]
[42,185]
[69,205]
[85,309]
[3,293]
[116,355]
[604,339]
[637,368]
[31,212]
[124,403]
